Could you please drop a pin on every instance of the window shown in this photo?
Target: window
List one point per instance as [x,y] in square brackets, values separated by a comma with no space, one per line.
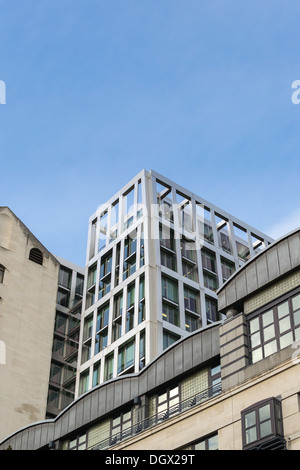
[211,310]
[274,328]
[121,426]
[63,297]
[170,314]
[126,357]
[190,270]
[262,423]
[228,269]
[79,285]
[169,289]
[192,322]
[2,270]
[169,339]
[36,256]
[105,275]
[129,255]
[141,313]
[207,443]
[79,442]
[191,300]
[167,400]
[130,307]
[142,350]
[96,374]
[208,260]
[166,236]
[65,276]
[102,328]
[109,367]
[84,383]
[117,319]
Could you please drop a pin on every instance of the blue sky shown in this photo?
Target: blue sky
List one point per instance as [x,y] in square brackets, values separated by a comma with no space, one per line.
[96,90]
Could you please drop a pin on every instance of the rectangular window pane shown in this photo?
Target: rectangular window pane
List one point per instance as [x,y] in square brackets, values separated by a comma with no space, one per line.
[283,309]
[284,324]
[269,332]
[250,419]
[254,325]
[265,429]
[255,339]
[267,318]
[286,340]
[257,355]
[251,435]
[296,302]
[297,317]
[264,413]
[270,348]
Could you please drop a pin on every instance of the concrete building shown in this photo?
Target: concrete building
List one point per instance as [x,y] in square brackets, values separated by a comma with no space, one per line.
[232,385]
[28,288]
[63,366]
[156,256]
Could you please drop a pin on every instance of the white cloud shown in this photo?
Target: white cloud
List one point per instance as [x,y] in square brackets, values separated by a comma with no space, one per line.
[285,225]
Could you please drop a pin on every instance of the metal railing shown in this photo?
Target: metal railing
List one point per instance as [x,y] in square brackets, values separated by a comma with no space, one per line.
[159,417]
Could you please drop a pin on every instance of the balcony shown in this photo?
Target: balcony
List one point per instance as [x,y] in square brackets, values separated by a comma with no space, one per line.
[159,418]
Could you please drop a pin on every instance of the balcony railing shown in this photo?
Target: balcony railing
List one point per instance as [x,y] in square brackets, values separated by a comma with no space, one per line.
[159,418]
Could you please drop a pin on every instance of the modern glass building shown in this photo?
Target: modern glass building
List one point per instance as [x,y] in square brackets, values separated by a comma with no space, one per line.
[156,255]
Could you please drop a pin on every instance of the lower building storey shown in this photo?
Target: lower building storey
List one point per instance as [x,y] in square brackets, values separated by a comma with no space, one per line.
[179,402]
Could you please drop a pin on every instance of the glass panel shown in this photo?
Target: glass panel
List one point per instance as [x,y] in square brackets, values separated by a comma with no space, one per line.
[264,413]
[284,324]
[173,392]
[255,340]
[174,401]
[286,340]
[254,325]
[283,309]
[267,318]
[297,317]
[297,334]
[296,302]
[257,355]
[265,429]
[200,446]
[269,332]
[162,407]
[213,443]
[162,398]
[250,419]
[270,348]
[251,435]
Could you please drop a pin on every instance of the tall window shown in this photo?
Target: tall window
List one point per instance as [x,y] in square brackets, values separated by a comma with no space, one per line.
[274,328]
[109,367]
[105,275]
[117,317]
[65,277]
[102,328]
[129,255]
[126,357]
[130,307]
[169,289]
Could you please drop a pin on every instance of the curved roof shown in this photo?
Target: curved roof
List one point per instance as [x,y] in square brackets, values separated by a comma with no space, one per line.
[180,358]
[275,261]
